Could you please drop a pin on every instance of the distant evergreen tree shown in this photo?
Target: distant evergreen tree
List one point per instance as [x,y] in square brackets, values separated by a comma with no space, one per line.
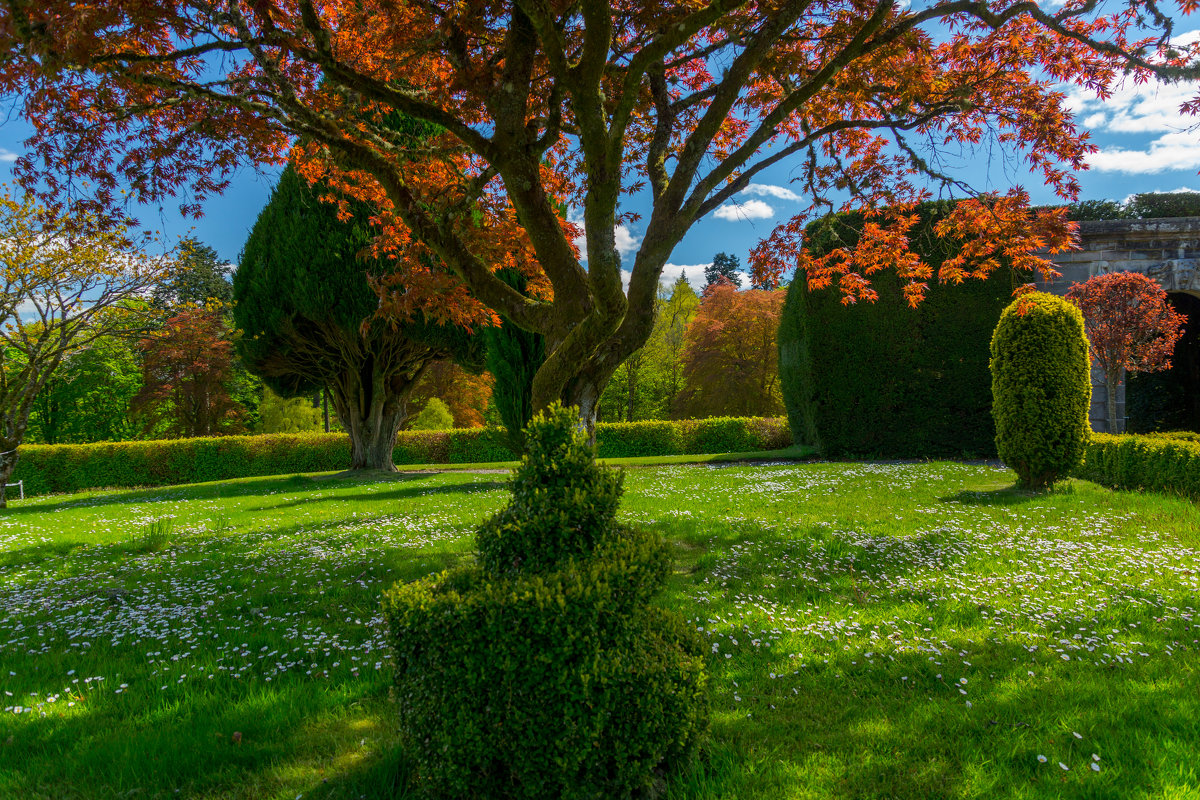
[1086,210]
[197,277]
[723,266]
[1154,205]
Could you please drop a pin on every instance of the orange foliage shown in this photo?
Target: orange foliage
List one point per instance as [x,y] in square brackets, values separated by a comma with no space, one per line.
[532,108]
[1130,325]
[466,395]
[186,369]
[729,361]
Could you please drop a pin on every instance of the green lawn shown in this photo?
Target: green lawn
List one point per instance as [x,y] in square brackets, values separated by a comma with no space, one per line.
[916,631]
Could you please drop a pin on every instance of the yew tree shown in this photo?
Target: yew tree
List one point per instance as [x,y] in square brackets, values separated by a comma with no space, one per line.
[546,103]
[303,300]
[1130,326]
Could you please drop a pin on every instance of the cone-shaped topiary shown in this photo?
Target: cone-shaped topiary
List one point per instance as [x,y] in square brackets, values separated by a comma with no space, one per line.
[563,503]
[543,671]
[1041,388]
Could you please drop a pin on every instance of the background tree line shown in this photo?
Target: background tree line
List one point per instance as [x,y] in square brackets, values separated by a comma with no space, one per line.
[711,353]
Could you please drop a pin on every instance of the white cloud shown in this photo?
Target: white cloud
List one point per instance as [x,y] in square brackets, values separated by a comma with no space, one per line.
[7,156]
[1132,107]
[693,272]
[1150,111]
[770,190]
[1179,150]
[751,209]
[627,243]
[1136,108]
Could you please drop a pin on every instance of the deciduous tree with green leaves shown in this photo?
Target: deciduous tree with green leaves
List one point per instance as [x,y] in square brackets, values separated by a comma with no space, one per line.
[89,398]
[63,278]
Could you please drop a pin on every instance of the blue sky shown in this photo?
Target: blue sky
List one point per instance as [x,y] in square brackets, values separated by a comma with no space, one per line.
[1145,145]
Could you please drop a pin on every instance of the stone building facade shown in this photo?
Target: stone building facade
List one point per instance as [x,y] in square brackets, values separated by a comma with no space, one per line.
[1167,250]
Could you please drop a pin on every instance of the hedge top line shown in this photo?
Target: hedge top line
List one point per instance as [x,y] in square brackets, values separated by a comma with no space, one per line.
[101,465]
[309,436]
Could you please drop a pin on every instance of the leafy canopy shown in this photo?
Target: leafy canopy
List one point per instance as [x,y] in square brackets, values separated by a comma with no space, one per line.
[1130,325]
[541,104]
[65,281]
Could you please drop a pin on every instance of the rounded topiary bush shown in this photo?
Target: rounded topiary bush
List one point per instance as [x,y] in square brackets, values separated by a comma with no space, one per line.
[542,671]
[1041,388]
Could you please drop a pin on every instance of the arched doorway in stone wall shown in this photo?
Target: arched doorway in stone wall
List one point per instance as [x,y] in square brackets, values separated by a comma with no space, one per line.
[1170,401]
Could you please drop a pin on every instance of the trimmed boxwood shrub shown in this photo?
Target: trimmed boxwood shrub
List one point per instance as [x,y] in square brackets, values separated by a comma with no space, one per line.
[1156,462]
[884,379]
[542,670]
[74,467]
[1041,388]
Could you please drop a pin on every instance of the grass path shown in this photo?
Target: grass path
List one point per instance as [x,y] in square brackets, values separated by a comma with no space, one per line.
[903,630]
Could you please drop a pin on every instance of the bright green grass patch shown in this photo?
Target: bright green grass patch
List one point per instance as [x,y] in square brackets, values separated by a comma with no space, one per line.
[853,610]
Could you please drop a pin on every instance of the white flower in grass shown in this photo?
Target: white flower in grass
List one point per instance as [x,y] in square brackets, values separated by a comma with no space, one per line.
[1042,758]
[1064,766]
[1095,767]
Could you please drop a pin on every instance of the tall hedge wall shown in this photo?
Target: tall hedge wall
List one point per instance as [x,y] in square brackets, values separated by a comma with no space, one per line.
[73,467]
[883,379]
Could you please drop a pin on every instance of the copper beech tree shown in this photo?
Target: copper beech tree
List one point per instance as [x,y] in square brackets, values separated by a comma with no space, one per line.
[187,368]
[1130,328]
[544,105]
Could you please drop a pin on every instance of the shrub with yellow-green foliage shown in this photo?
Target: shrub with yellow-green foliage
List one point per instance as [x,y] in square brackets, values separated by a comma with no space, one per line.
[543,670]
[1041,388]
[1162,462]
[75,467]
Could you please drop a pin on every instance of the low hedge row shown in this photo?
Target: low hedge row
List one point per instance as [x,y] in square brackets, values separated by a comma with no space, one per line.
[1159,463]
[74,467]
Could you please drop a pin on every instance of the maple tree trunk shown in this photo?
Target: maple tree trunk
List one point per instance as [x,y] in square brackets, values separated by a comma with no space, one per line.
[586,395]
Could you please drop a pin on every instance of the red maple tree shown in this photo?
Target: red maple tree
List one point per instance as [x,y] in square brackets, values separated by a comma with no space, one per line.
[540,106]
[730,364]
[186,369]
[1130,328]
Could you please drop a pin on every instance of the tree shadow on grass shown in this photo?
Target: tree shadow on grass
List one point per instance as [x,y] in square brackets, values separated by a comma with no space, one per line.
[217,490]
[406,492]
[1008,496]
[860,732]
[240,487]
